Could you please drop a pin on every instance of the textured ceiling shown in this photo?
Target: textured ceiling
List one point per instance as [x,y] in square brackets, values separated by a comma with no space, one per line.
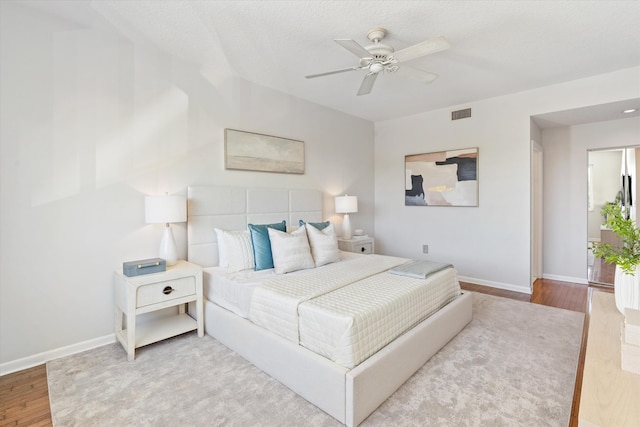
[497,47]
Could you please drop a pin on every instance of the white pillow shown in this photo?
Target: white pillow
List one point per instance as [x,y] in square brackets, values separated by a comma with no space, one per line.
[223,259]
[324,244]
[291,252]
[237,250]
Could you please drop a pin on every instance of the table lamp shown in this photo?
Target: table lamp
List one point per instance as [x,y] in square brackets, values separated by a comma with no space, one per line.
[166,209]
[346,205]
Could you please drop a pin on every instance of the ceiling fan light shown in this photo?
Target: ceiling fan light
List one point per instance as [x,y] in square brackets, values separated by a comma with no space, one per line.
[376,67]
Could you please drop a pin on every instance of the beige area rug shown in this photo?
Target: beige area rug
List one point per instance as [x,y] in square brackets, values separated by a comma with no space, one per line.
[513,365]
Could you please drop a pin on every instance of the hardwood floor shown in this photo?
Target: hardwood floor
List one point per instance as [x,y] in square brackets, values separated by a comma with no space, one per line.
[24,398]
[570,296]
[601,272]
[24,395]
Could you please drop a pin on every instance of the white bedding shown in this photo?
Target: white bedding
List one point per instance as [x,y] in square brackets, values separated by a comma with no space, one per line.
[355,321]
[340,310]
[274,305]
[233,290]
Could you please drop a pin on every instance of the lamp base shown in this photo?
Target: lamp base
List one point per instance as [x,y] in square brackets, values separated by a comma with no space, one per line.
[168,248]
[346,227]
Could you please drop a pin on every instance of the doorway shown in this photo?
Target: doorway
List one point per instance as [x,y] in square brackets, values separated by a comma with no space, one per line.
[612,177]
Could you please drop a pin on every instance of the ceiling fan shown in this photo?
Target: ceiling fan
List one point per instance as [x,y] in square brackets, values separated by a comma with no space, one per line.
[380,57]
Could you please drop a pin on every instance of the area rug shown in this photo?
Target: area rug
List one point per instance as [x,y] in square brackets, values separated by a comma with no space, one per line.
[514,364]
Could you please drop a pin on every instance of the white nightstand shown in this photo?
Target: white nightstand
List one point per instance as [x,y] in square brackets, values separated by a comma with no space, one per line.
[179,285]
[365,245]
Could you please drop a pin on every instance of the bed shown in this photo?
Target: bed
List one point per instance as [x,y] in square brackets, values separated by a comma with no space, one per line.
[355,382]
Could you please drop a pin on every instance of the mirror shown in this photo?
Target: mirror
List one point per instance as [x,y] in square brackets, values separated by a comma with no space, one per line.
[612,178]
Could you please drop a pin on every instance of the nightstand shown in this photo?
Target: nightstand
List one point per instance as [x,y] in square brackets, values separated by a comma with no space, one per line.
[178,285]
[364,245]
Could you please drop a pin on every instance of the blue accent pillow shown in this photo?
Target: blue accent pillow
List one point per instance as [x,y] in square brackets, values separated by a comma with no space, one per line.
[262,245]
[318,225]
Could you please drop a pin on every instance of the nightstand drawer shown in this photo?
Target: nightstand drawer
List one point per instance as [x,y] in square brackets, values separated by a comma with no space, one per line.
[363,245]
[363,248]
[166,291]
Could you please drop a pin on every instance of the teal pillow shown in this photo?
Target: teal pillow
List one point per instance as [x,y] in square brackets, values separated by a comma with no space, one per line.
[318,225]
[261,243]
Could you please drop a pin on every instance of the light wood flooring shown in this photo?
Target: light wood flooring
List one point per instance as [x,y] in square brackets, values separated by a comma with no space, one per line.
[24,395]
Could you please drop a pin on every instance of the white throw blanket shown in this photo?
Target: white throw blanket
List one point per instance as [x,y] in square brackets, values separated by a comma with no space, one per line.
[274,305]
[419,269]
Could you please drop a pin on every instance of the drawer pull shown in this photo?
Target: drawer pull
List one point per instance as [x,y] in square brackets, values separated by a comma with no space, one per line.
[167,290]
[362,249]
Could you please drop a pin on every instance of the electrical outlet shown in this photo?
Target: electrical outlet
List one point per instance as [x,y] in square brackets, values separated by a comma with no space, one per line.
[425,249]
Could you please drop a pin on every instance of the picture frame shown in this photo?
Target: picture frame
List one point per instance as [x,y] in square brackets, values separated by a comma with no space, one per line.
[251,151]
[442,178]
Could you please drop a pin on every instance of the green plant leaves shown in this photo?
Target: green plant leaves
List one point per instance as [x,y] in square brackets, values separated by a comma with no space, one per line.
[626,256]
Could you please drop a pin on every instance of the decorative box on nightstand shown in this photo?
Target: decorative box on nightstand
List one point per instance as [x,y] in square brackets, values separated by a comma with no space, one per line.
[177,286]
[360,245]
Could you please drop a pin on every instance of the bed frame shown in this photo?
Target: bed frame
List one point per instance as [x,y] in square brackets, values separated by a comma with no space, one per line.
[349,395]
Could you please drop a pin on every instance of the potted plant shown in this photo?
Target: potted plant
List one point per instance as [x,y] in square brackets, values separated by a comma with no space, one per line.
[626,257]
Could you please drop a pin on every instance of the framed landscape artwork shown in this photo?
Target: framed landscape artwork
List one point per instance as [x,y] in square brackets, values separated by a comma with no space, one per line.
[256,152]
[443,178]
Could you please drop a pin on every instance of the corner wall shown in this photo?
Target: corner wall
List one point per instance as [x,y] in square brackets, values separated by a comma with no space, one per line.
[489,244]
[92,121]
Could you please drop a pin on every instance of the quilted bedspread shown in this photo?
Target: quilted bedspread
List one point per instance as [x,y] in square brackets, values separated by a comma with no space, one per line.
[350,310]
[355,321]
[274,305]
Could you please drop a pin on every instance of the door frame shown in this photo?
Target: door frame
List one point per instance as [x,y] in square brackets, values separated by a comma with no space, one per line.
[537,211]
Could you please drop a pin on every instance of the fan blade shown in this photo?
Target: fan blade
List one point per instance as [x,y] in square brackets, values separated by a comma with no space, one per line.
[413,73]
[367,83]
[354,47]
[333,72]
[427,47]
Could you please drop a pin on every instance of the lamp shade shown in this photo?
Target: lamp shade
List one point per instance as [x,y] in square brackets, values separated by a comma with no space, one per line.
[346,204]
[165,209]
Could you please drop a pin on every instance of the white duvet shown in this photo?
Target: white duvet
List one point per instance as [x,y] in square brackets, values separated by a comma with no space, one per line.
[347,311]
[355,321]
[274,305]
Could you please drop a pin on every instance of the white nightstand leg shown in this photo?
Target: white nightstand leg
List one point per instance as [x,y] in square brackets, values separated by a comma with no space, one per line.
[200,314]
[131,338]
[118,319]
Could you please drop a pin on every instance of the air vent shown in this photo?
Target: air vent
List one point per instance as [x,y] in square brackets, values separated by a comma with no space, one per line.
[461,114]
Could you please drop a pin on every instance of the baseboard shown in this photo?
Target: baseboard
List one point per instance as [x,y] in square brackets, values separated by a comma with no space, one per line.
[40,358]
[499,285]
[578,280]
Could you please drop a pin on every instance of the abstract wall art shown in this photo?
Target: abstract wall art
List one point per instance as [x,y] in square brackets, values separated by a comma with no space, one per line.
[443,178]
[256,152]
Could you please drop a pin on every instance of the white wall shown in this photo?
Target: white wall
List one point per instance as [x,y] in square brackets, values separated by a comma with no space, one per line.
[91,122]
[565,190]
[489,244]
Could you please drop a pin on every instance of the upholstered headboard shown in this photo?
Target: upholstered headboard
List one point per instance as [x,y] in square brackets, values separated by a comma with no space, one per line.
[233,208]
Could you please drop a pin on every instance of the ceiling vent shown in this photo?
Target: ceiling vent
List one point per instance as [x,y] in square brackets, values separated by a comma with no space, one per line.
[461,114]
